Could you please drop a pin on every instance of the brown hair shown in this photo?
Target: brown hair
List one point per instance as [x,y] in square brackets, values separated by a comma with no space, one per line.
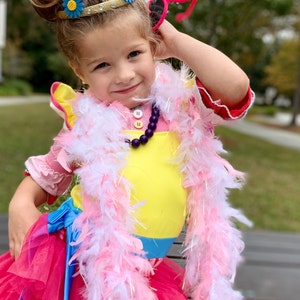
[70,31]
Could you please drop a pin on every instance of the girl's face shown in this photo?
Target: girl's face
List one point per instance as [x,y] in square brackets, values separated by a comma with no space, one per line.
[117,64]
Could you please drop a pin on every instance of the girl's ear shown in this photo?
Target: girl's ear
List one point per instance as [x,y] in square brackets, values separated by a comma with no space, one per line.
[75,67]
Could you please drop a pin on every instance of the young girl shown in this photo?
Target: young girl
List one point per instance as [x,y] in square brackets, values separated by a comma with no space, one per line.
[141,146]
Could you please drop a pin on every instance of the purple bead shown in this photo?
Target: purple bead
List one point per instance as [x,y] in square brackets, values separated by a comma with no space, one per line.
[153,119]
[143,139]
[149,133]
[155,111]
[135,143]
[152,126]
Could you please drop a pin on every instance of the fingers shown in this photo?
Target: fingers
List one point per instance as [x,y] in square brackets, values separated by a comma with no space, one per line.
[12,250]
[15,246]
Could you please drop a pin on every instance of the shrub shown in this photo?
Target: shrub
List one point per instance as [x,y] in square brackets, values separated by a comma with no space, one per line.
[15,87]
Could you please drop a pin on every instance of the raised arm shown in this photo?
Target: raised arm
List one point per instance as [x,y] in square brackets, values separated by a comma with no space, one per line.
[219,74]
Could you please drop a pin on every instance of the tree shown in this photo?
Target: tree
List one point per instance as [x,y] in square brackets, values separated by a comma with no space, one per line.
[283,68]
[296,99]
[283,72]
[34,45]
[237,28]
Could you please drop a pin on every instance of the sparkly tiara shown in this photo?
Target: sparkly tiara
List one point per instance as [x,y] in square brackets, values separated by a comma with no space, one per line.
[75,8]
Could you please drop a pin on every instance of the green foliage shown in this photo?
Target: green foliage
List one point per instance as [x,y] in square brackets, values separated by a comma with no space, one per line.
[33,40]
[266,110]
[56,61]
[15,87]
[236,28]
[16,62]
[284,66]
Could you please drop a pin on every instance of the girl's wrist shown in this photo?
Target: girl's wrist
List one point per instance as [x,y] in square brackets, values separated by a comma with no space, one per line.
[179,46]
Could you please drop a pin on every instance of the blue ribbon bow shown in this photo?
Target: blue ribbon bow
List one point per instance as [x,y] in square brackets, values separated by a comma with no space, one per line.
[64,217]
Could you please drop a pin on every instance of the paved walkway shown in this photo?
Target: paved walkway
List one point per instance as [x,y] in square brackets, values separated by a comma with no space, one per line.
[276,136]
[17,100]
[271,270]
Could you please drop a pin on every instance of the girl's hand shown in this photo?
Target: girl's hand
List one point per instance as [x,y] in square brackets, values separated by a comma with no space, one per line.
[168,34]
[21,218]
[23,213]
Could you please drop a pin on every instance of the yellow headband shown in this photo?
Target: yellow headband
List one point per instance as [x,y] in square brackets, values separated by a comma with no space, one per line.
[75,8]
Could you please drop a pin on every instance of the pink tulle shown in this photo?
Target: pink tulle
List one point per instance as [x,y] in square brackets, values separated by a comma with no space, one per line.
[38,274]
[39,271]
[167,281]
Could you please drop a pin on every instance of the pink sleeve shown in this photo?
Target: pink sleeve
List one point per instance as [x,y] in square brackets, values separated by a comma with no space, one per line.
[226,113]
[50,171]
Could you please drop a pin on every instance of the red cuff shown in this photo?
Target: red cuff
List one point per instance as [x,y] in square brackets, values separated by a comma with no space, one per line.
[51,199]
[235,112]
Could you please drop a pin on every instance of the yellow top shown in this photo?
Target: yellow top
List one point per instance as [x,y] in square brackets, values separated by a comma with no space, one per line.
[157,192]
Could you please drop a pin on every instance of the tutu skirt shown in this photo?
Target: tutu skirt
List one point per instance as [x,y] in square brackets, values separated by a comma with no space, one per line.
[38,273]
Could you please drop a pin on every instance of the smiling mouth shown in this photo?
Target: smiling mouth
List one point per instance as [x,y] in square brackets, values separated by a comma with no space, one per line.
[127,90]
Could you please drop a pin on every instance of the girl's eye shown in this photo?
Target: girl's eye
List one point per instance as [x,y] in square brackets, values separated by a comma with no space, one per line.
[134,54]
[102,65]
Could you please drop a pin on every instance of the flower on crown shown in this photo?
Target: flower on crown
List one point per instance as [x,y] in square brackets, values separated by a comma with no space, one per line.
[73,8]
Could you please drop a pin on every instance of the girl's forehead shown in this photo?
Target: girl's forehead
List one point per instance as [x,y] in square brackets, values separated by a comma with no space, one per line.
[121,25]
[129,20]
[110,41]
[113,31]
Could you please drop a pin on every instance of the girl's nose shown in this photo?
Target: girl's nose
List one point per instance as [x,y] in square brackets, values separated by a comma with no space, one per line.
[124,73]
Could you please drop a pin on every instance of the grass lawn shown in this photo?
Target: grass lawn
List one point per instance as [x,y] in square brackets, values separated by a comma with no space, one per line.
[270,197]
[25,130]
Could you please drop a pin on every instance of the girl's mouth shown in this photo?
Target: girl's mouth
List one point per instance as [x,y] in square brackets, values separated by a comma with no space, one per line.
[127,90]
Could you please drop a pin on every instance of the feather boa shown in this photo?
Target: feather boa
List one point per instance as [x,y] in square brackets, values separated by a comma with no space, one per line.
[213,245]
[110,258]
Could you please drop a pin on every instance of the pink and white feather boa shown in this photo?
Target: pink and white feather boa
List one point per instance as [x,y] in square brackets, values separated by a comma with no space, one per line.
[213,245]
[110,257]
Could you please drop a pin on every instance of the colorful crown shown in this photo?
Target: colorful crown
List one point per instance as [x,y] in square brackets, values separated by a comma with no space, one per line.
[75,8]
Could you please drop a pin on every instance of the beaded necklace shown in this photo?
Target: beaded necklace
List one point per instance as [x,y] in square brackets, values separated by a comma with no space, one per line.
[144,138]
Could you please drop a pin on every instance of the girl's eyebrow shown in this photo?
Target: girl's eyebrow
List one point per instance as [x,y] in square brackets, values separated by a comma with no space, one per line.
[93,61]
[130,47]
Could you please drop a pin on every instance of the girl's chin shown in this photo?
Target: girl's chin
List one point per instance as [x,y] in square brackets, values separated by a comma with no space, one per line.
[134,102]
[129,102]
